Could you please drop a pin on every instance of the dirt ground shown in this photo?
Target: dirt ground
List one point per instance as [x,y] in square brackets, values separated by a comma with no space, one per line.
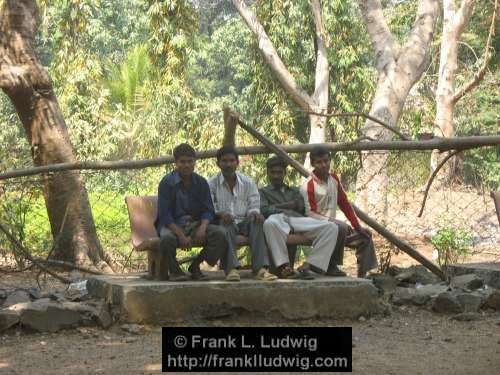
[409,340]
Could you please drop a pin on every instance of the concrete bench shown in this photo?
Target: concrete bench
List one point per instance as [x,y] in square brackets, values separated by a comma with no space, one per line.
[142,214]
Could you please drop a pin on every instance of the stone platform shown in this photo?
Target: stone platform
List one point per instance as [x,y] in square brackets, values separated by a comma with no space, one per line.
[489,272]
[162,302]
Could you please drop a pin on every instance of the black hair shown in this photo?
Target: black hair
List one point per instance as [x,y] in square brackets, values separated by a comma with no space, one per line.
[318,152]
[276,161]
[184,150]
[225,150]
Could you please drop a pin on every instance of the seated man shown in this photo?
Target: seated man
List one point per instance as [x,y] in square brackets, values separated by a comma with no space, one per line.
[322,192]
[284,208]
[185,213]
[237,207]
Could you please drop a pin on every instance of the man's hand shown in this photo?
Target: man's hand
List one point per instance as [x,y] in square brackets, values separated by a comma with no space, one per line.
[256,217]
[184,242]
[200,234]
[226,218]
[365,232]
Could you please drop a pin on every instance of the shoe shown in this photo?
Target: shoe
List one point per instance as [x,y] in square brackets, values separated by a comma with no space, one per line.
[196,274]
[335,272]
[304,272]
[178,277]
[264,275]
[285,272]
[233,275]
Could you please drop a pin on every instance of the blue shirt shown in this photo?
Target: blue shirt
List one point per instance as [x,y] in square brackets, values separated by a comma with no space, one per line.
[179,204]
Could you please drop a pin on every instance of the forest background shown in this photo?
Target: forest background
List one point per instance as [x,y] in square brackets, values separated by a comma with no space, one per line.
[134,78]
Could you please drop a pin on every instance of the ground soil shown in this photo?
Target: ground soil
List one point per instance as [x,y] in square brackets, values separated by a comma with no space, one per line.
[409,340]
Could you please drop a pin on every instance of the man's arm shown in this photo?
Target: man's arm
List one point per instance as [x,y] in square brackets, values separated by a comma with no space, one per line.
[345,205]
[266,208]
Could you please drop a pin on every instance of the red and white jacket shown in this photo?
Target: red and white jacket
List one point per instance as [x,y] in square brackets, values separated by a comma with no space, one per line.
[321,199]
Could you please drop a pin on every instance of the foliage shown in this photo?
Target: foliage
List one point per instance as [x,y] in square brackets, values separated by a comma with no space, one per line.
[452,245]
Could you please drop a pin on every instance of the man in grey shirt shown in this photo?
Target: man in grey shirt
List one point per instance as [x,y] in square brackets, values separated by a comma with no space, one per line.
[237,207]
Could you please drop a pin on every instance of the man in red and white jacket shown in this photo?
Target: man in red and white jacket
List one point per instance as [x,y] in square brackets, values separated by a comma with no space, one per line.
[322,193]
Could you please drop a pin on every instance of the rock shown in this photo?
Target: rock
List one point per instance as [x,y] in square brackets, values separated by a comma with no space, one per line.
[385,283]
[35,293]
[467,282]
[470,301]
[18,296]
[466,317]
[48,316]
[493,300]
[417,274]
[417,296]
[8,318]
[447,303]
[101,313]
[3,294]
[134,329]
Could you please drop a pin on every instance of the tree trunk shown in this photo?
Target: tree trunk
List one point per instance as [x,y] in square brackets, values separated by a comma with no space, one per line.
[29,87]
[454,22]
[399,68]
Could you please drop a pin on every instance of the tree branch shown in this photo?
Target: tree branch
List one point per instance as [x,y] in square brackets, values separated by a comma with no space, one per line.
[369,117]
[463,15]
[415,50]
[442,144]
[429,183]
[321,78]
[386,47]
[272,58]
[478,77]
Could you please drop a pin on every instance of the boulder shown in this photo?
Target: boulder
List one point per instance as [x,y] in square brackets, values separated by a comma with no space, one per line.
[15,297]
[447,303]
[417,274]
[8,318]
[492,301]
[384,283]
[467,282]
[470,302]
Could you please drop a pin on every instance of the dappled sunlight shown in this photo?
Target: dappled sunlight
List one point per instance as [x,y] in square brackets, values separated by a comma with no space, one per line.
[153,367]
[6,364]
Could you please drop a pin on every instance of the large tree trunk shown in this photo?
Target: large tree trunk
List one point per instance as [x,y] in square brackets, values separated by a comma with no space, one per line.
[454,21]
[29,87]
[399,69]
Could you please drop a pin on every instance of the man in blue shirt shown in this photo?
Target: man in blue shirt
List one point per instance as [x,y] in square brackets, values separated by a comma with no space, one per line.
[185,214]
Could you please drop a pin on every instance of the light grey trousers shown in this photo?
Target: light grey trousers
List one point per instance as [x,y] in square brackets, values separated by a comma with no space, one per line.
[257,243]
[322,233]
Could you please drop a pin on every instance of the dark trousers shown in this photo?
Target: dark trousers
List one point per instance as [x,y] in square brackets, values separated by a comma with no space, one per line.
[216,246]
[363,246]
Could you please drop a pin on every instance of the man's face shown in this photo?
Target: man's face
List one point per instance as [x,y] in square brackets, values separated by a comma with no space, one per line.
[228,164]
[185,165]
[321,165]
[276,175]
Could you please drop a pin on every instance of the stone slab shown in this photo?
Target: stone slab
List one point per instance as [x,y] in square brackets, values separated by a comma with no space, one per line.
[162,302]
[489,272]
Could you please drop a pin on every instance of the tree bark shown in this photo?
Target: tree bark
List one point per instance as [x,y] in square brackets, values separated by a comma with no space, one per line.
[454,22]
[29,87]
[399,68]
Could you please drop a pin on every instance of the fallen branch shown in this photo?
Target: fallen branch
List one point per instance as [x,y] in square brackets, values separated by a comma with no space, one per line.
[437,143]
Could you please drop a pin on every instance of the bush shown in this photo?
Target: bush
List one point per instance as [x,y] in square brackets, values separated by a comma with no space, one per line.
[452,245]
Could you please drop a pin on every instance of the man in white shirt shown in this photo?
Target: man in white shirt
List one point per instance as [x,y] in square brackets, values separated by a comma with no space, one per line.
[237,207]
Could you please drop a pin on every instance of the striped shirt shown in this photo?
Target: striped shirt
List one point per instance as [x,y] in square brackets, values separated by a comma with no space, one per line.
[240,202]
[321,199]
